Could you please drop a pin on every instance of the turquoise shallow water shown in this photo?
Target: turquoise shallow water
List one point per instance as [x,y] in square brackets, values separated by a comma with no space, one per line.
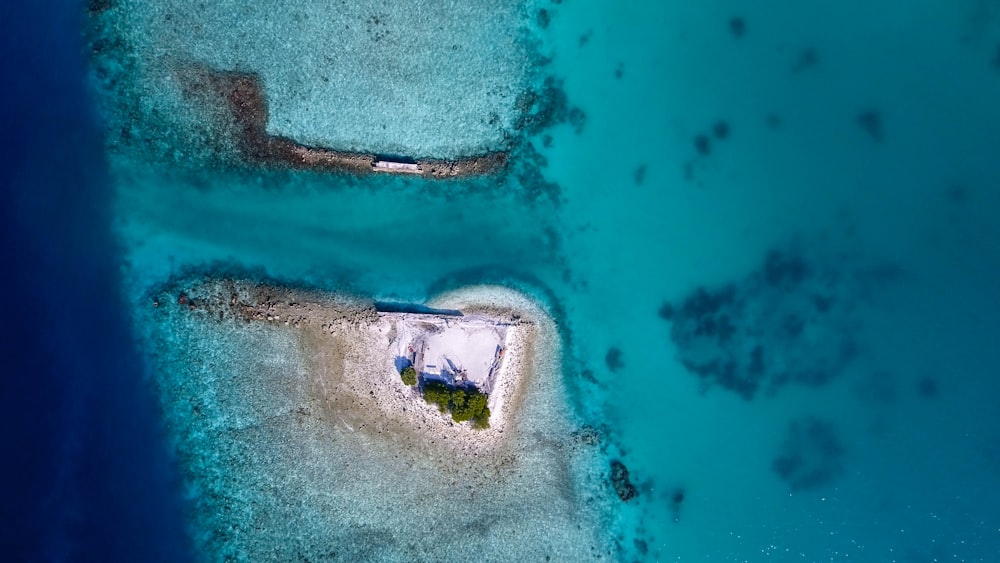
[912,414]
[855,140]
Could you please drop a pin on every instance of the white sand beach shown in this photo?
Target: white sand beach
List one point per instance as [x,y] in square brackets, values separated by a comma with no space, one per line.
[351,347]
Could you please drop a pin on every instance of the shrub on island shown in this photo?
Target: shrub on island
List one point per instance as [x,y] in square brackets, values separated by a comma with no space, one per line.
[437,393]
[463,403]
[409,375]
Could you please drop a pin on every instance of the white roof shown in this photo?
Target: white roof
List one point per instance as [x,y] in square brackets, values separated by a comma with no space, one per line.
[390,166]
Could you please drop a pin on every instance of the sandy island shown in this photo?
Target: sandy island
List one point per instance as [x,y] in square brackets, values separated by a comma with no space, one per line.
[354,353]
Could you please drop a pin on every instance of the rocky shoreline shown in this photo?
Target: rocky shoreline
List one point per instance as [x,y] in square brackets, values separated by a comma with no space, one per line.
[237,100]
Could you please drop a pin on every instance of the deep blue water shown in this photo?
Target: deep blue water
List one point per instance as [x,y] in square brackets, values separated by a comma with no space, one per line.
[86,475]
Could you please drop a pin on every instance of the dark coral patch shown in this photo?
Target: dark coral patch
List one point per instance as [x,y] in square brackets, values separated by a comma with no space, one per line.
[720,130]
[928,387]
[543,18]
[614,359]
[639,176]
[577,119]
[676,500]
[806,59]
[703,145]
[621,482]
[784,269]
[98,6]
[543,108]
[666,311]
[870,122]
[789,321]
[811,455]
[737,26]
[678,496]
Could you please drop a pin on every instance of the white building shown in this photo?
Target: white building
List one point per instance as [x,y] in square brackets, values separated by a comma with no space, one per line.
[397,167]
[457,350]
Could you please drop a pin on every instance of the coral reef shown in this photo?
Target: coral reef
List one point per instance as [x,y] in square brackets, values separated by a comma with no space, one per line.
[790,321]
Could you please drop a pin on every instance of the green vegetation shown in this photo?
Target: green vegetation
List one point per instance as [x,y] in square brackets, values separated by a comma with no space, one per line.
[409,375]
[464,403]
[437,393]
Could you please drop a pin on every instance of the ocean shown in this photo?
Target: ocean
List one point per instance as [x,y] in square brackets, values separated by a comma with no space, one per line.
[766,233]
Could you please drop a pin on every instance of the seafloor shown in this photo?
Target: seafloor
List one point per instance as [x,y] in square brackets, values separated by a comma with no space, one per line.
[765,233]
